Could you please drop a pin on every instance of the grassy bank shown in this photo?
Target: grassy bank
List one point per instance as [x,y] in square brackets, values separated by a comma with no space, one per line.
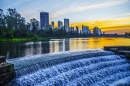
[29,39]
[23,39]
[34,39]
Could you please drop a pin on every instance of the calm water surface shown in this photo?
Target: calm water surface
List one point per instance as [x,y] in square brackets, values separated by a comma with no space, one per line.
[20,49]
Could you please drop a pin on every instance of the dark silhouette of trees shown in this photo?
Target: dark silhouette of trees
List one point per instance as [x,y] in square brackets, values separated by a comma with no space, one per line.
[127,34]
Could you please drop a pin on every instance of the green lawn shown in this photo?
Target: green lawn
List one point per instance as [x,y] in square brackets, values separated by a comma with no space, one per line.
[28,39]
[23,39]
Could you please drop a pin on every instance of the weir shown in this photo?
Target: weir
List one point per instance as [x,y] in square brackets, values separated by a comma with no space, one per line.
[71,68]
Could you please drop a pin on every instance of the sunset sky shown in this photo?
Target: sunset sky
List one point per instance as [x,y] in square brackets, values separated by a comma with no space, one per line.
[112,16]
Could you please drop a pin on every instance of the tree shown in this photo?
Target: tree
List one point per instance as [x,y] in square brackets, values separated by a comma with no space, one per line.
[34,24]
[2,24]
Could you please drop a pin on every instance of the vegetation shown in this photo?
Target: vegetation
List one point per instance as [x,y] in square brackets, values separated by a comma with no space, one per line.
[127,35]
[14,29]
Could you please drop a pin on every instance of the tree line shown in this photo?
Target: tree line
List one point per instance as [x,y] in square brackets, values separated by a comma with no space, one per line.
[12,25]
[127,34]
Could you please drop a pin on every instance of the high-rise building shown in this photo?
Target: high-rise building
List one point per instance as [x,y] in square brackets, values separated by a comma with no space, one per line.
[52,25]
[80,32]
[60,24]
[44,20]
[85,30]
[66,24]
[77,29]
[34,24]
[71,29]
[31,26]
[97,31]
[23,20]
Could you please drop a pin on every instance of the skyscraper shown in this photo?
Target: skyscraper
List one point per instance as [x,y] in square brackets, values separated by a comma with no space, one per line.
[85,30]
[97,31]
[66,24]
[71,29]
[52,23]
[77,29]
[44,20]
[60,24]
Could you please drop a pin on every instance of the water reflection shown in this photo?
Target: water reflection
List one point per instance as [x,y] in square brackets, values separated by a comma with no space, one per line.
[58,45]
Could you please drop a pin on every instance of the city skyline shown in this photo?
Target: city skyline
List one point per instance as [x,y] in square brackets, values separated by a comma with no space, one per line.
[112,16]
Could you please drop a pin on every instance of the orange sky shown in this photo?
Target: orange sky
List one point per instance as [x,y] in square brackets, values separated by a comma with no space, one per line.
[115,25]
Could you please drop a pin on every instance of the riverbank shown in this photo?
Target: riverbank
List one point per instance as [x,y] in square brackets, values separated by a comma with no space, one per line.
[30,39]
[23,39]
[38,39]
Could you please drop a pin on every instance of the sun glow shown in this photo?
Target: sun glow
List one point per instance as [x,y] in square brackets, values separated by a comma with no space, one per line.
[119,25]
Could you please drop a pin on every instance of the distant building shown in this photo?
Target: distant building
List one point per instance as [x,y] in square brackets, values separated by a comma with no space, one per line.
[60,24]
[85,30]
[1,13]
[38,25]
[103,33]
[23,20]
[31,26]
[44,20]
[52,25]
[97,31]
[71,29]
[66,24]
[80,32]
[34,24]
[77,29]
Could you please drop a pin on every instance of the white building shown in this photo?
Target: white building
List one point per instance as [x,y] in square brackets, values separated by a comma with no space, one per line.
[34,22]
[77,29]
[60,24]
[85,30]
[52,25]
[23,20]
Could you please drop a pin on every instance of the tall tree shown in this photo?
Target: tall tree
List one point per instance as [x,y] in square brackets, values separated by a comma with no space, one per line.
[2,24]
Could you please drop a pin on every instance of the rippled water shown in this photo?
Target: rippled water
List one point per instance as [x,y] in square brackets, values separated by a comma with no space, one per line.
[21,49]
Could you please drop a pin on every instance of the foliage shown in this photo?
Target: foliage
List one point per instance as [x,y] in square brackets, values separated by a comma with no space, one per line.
[13,27]
[127,34]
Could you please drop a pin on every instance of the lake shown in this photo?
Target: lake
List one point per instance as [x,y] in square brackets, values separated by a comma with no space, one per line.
[20,49]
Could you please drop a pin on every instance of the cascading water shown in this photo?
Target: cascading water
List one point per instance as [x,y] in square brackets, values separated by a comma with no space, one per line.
[80,68]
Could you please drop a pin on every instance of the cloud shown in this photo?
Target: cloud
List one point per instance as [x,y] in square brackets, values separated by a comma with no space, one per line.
[119,15]
[29,14]
[79,8]
[9,3]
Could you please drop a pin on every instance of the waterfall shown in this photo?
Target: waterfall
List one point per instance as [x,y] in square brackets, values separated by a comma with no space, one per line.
[79,68]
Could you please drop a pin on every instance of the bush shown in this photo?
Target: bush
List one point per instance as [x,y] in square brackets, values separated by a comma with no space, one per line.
[9,36]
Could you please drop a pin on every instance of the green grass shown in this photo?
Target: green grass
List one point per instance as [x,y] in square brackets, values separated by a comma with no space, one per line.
[28,39]
[23,39]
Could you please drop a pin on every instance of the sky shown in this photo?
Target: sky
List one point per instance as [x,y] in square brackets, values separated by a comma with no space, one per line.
[112,16]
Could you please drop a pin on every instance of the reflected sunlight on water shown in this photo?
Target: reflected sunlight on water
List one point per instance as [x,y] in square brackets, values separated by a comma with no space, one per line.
[59,45]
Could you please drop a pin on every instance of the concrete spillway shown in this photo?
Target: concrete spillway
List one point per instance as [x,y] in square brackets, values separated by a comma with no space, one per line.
[75,68]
